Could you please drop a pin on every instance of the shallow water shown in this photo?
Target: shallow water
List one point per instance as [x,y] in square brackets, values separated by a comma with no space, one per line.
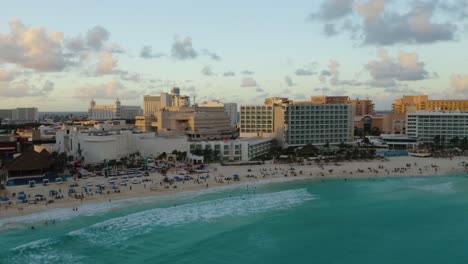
[400,220]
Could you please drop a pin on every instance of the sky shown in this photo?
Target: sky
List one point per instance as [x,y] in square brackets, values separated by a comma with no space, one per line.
[58,55]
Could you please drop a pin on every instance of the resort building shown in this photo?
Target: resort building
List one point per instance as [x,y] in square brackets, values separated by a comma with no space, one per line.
[263,120]
[172,116]
[324,99]
[114,111]
[229,108]
[318,124]
[298,123]
[421,102]
[244,149]
[441,126]
[98,143]
[362,107]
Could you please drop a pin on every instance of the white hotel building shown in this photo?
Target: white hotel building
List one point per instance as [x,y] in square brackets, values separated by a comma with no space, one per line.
[115,111]
[426,125]
[318,124]
[244,149]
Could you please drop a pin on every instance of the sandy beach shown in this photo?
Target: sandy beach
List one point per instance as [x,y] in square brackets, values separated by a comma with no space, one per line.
[220,176]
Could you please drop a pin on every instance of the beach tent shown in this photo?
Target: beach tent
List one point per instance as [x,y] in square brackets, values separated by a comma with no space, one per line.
[5,200]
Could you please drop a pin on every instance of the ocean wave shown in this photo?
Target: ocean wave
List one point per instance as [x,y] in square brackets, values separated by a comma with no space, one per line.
[43,251]
[114,231]
[443,188]
[90,209]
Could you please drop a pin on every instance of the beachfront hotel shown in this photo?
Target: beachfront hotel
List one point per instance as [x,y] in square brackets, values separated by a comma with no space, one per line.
[114,111]
[244,149]
[421,102]
[299,123]
[427,125]
[318,124]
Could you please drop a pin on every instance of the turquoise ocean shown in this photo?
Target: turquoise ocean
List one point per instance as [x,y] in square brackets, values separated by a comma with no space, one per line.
[394,220]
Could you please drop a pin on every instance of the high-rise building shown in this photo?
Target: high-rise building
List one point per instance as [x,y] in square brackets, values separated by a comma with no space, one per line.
[421,102]
[310,123]
[22,114]
[324,99]
[426,126]
[229,108]
[362,107]
[114,111]
[299,123]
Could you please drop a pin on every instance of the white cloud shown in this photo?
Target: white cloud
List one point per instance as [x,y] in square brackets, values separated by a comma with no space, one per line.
[248,82]
[109,90]
[459,83]
[406,67]
[32,47]
[23,88]
[106,64]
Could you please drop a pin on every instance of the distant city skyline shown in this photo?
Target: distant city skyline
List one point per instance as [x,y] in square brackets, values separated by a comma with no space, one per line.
[57,55]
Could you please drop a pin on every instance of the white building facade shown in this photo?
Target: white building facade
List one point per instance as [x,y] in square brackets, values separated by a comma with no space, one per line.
[318,124]
[427,125]
[235,150]
[115,111]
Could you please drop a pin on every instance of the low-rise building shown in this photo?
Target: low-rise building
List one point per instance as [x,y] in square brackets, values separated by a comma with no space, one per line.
[243,149]
[441,126]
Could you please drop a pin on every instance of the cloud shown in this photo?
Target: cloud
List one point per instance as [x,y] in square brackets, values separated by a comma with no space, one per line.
[23,88]
[109,90]
[106,64]
[247,72]
[459,83]
[333,9]
[382,24]
[248,82]
[331,74]
[182,49]
[406,67]
[207,71]
[127,76]
[259,90]
[329,29]
[304,72]
[371,9]
[289,81]
[147,53]
[415,26]
[210,54]
[229,74]
[96,37]
[32,47]
[7,75]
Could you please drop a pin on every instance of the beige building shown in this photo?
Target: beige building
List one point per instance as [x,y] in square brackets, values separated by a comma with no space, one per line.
[362,107]
[410,103]
[264,120]
[229,108]
[171,115]
[114,111]
[324,99]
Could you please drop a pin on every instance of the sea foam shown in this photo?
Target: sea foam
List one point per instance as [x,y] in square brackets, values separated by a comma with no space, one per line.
[116,230]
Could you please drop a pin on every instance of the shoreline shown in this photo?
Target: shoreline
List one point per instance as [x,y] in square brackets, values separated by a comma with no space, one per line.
[394,167]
